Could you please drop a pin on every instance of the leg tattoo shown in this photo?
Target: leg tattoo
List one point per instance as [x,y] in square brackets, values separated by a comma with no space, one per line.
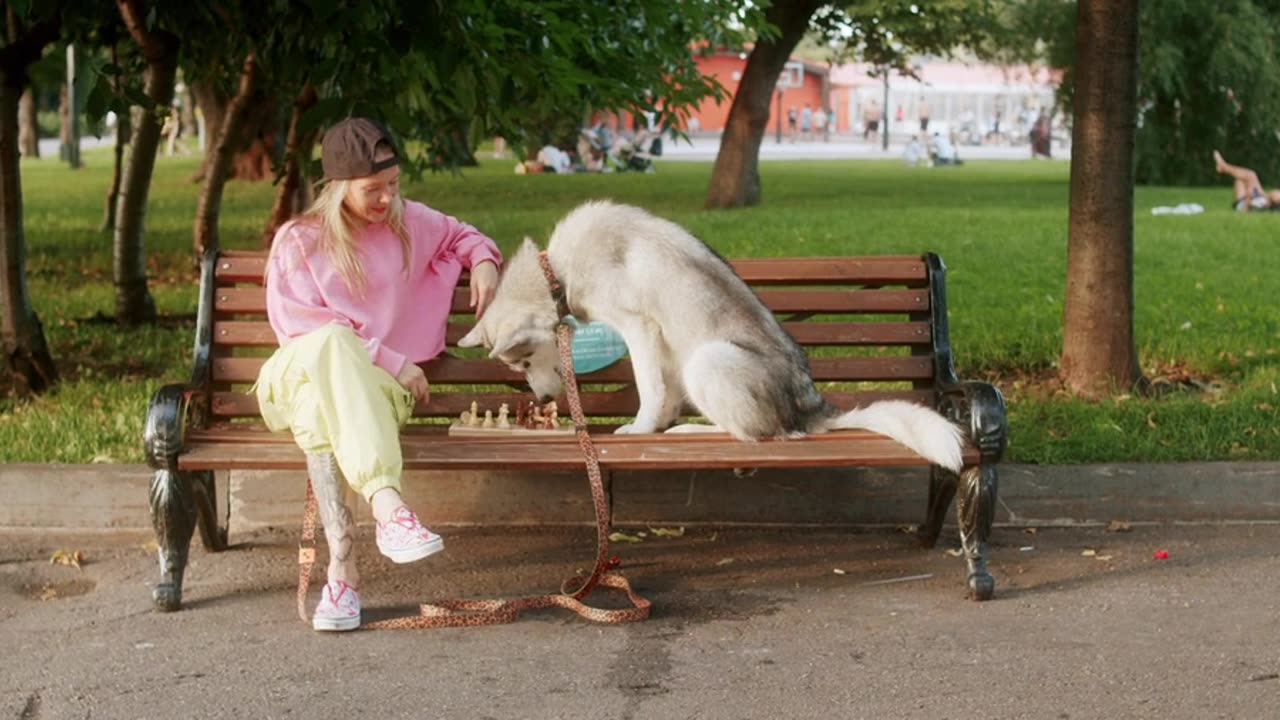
[339,525]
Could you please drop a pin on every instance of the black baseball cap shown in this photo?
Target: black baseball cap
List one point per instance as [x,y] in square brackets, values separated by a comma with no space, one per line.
[347,150]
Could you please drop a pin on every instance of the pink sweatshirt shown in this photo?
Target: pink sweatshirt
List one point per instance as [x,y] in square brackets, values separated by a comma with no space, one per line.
[403,314]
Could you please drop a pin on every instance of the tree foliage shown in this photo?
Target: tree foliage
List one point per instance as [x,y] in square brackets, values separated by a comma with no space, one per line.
[1209,78]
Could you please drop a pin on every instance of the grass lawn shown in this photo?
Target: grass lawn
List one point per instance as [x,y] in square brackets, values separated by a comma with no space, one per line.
[1207,318]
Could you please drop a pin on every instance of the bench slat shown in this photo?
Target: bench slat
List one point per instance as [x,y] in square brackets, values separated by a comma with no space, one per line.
[619,403]
[451,370]
[640,452]
[253,301]
[248,267]
[258,333]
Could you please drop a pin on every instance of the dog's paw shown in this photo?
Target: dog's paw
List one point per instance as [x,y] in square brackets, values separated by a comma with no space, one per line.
[635,428]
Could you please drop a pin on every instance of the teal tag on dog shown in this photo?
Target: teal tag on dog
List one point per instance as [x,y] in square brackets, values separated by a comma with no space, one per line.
[595,345]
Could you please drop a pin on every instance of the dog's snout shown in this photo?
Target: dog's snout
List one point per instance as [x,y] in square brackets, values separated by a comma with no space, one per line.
[544,398]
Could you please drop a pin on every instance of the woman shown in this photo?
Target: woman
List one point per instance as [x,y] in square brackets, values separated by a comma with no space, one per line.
[1248,191]
[358,293]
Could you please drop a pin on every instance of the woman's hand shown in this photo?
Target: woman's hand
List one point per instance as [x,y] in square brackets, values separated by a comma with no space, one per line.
[415,381]
[484,283]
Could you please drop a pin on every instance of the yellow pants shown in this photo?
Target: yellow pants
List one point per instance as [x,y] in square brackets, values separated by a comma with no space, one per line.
[324,388]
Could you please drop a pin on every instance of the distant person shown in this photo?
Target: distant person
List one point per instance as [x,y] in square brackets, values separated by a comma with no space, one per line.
[792,117]
[1041,137]
[820,124]
[831,125]
[922,112]
[871,122]
[806,123]
[1250,196]
[944,152]
[913,153]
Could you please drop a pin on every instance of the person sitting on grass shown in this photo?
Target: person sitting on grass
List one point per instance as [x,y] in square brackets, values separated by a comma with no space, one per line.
[1249,193]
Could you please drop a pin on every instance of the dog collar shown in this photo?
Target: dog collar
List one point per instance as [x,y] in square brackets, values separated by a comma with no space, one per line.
[557,289]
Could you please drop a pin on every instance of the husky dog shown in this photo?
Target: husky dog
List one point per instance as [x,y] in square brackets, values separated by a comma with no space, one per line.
[694,331]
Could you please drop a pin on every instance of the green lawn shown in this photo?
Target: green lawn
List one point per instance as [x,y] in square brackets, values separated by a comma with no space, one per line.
[1207,317]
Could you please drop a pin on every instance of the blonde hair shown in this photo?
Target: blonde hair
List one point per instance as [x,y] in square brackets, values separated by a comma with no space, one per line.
[339,228]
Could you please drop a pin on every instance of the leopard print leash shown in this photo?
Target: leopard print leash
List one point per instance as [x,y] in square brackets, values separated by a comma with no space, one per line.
[475,613]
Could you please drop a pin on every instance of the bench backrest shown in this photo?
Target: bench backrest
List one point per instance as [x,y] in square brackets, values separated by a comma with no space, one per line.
[874,328]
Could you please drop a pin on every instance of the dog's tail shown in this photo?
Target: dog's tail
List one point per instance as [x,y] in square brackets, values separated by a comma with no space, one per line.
[920,428]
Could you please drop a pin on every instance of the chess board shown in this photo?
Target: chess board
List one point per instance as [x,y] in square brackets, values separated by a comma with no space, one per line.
[460,430]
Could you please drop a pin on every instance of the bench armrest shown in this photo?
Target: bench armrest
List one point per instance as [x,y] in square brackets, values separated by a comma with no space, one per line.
[171,408]
[979,408]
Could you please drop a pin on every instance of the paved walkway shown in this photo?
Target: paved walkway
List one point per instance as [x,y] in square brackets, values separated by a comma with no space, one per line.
[747,624]
[842,147]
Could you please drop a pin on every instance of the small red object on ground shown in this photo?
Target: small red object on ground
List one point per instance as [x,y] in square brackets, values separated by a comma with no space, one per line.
[1162,554]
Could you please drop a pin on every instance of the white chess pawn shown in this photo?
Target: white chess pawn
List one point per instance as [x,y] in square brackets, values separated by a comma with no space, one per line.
[474,419]
[503,421]
[488,419]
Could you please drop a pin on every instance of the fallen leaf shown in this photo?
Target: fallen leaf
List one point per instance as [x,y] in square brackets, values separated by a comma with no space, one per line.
[150,546]
[838,571]
[668,532]
[955,552]
[1027,548]
[1089,552]
[725,561]
[47,593]
[1031,531]
[623,537]
[908,529]
[67,557]
[1119,526]
[1102,557]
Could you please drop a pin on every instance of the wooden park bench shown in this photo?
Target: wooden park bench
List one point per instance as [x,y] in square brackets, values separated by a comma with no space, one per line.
[874,327]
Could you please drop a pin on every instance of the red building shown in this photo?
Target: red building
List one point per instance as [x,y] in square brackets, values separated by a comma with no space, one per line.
[801,83]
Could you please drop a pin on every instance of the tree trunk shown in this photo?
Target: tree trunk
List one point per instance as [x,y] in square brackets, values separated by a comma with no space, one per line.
[294,192]
[26,353]
[212,102]
[1098,351]
[28,128]
[123,129]
[206,230]
[65,135]
[134,304]
[735,180]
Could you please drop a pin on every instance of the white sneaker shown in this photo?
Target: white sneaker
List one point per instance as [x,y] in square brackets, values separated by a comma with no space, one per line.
[339,608]
[404,539]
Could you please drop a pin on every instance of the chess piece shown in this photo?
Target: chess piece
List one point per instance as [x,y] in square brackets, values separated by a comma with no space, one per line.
[535,417]
[503,422]
[552,421]
[474,419]
[464,419]
[488,419]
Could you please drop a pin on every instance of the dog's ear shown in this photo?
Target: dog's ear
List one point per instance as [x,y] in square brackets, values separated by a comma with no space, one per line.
[520,343]
[475,338]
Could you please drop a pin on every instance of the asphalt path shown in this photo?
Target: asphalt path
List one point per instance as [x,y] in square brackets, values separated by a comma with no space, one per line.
[747,623]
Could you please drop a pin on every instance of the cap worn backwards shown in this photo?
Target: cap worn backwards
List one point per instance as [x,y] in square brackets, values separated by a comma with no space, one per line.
[347,150]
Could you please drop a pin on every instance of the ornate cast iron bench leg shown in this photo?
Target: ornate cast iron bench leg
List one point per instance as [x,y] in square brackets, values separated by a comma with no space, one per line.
[942,490]
[975,510]
[181,501]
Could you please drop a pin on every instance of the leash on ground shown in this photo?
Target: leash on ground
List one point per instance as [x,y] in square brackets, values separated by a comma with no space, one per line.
[474,613]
